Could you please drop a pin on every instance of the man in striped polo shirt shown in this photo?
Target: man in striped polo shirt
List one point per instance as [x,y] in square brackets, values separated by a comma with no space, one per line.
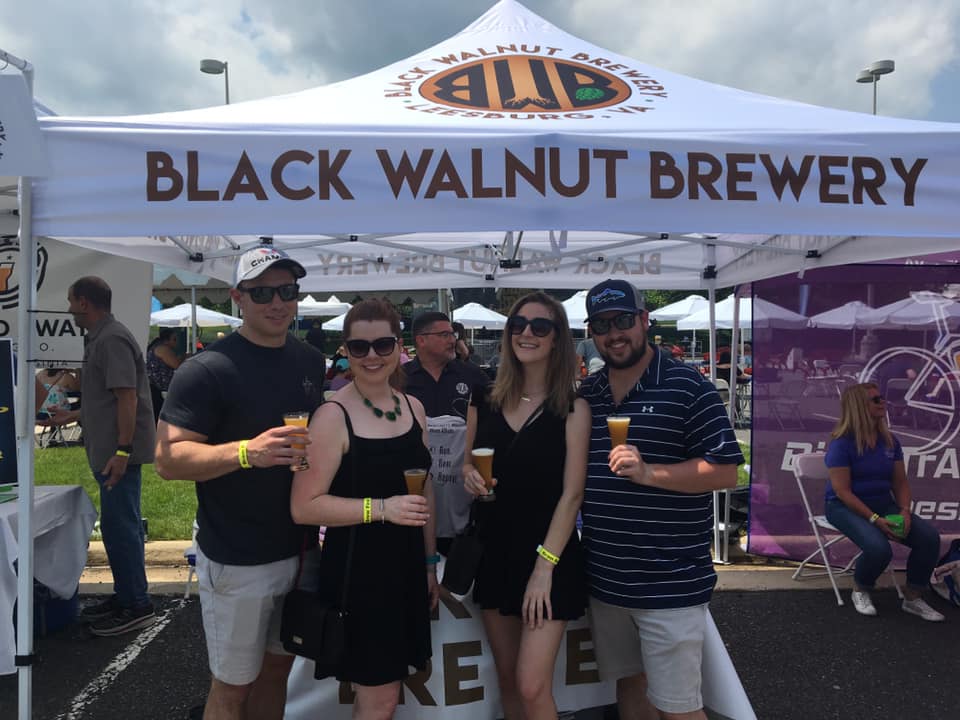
[647,512]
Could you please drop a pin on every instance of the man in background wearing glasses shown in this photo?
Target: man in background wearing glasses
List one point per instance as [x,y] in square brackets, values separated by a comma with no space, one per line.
[222,427]
[647,512]
[449,389]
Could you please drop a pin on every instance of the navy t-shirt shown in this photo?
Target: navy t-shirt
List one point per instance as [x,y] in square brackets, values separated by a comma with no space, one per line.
[871,474]
[235,391]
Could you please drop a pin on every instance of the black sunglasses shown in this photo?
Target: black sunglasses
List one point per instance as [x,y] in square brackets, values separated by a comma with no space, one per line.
[263,294]
[541,327]
[381,346]
[623,321]
[878,399]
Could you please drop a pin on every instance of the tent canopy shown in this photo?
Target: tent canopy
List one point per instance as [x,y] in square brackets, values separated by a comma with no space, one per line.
[475,316]
[510,155]
[761,314]
[680,309]
[308,307]
[850,315]
[182,316]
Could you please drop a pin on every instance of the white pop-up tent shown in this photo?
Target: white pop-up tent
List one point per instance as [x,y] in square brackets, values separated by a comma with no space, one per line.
[680,309]
[475,316]
[182,316]
[758,314]
[331,307]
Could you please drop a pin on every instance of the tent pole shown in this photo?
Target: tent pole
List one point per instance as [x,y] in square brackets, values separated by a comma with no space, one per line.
[24,412]
[732,393]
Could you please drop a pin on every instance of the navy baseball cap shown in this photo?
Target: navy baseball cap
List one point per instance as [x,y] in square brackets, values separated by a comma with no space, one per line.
[613,295]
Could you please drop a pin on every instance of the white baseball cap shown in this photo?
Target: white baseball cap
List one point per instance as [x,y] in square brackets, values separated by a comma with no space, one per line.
[253,263]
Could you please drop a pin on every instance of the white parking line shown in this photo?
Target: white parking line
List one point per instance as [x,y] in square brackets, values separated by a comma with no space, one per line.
[120,663]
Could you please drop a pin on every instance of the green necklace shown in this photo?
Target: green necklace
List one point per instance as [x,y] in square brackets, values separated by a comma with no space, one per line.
[390,415]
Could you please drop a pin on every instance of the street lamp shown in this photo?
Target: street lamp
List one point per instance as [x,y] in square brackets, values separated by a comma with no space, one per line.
[216,67]
[872,74]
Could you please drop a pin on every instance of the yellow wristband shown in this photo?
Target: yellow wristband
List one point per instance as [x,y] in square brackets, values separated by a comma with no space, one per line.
[367,513]
[242,455]
[873,518]
[547,555]
[122,453]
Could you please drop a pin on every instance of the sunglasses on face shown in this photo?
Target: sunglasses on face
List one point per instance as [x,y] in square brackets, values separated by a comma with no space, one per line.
[381,346]
[623,321]
[878,400]
[541,327]
[263,294]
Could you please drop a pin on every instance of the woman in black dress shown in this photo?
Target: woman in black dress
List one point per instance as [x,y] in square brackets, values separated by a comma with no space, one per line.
[531,579]
[392,580]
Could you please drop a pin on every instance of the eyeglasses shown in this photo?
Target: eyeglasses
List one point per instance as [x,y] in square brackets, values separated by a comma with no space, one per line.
[381,346]
[623,321]
[263,294]
[541,327]
[878,400]
[443,334]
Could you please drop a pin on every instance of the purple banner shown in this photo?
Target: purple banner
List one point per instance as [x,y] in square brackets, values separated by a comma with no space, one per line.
[897,326]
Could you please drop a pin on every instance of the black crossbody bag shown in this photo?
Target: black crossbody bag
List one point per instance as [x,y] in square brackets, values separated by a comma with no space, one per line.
[466,550]
[312,626]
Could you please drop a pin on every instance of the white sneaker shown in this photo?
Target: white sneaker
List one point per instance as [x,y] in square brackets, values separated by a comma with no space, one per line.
[920,608]
[863,603]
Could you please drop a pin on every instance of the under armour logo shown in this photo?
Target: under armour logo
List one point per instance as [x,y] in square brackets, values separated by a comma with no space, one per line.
[646,408]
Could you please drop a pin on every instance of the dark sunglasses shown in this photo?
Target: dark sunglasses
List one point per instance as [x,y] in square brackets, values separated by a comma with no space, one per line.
[878,400]
[541,327]
[623,321]
[381,346]
[263,294]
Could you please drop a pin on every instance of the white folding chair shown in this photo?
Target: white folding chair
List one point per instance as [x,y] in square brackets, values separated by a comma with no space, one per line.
[810,467]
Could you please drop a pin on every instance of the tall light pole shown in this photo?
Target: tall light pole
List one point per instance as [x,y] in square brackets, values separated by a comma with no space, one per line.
[872,73]
[216,67]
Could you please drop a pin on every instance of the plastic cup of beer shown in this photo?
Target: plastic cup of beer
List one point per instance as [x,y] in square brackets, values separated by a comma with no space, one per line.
[415,477]
[298,418]
[483,462]
[618,426]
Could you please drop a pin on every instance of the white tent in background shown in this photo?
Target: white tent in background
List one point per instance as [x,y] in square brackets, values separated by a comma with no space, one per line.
[336,324]
[475,316]
[182,316]
[576,308]
[680,309]
[854,314]
[910,314]
[762,314]
[308,307]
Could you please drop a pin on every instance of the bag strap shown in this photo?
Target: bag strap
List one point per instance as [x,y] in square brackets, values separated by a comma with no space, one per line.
[531,418]
[351,450]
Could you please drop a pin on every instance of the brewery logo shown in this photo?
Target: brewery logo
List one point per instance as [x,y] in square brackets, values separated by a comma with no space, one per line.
[9,287]
[462,388]
[526,83]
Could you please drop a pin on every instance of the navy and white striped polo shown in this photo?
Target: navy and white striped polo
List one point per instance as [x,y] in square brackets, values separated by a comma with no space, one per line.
[648,547]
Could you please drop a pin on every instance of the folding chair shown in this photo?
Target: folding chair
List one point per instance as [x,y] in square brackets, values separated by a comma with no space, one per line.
[810,467]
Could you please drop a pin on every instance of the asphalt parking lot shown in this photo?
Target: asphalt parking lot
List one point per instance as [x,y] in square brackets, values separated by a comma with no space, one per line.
[799,656]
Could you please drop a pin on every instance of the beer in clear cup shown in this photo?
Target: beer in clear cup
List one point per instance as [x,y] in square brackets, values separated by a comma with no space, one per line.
[298,418]
[483,462]
[618,426]
[415,477]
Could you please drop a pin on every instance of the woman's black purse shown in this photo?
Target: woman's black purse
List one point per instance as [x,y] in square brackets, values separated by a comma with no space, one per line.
[463,560]
[312,626]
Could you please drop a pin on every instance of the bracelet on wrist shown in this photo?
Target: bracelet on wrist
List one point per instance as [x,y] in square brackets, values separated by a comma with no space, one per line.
[242,455]
[383,511]
[433,559]
[367,513]
[873,518]
[124,449]
[122,453]
[547,555]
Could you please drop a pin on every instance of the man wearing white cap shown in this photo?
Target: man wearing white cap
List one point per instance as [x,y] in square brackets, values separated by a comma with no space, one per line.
[222,427]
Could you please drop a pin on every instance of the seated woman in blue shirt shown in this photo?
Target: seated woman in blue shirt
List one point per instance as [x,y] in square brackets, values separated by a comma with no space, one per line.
[868,481]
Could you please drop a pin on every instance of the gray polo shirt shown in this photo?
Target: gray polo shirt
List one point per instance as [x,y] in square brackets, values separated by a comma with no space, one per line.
[112,359]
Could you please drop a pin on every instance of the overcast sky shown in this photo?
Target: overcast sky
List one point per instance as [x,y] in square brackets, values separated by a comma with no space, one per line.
[110,57]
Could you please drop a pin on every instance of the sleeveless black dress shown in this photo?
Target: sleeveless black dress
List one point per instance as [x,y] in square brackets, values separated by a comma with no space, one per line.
[529,469]
[388,620]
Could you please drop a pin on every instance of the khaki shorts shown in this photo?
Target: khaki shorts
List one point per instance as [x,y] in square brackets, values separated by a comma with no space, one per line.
[241,606]
[665,644]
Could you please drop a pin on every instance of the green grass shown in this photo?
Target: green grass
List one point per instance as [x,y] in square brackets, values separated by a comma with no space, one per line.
[743,477]
[169,506]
